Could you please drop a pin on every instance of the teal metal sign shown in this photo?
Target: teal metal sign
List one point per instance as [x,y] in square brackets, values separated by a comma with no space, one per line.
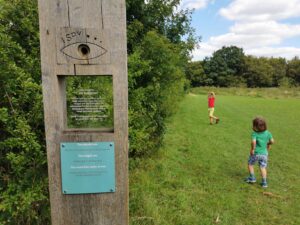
[87,167]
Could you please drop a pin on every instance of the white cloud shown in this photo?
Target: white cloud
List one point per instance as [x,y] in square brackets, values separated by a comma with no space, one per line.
[244,40]
[194,4]
[266,27]
[257,10]
[256,34]
[257,28]
[206,50]
[285,52]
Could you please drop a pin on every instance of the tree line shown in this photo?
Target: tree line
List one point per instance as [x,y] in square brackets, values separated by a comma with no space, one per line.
[160,41]
[230,67]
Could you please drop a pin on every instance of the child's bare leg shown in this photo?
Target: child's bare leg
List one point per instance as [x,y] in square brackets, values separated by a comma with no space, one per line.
[211,120]
[216,119]
[251,169]
[263,172]
[251,178]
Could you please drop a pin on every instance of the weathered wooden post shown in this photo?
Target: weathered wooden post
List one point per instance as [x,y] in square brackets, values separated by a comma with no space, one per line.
[84,75]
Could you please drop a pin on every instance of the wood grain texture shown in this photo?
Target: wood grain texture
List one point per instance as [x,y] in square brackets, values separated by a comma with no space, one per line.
[107,17]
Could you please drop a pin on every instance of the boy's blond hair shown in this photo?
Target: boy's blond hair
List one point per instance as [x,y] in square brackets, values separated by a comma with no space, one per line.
[212,93]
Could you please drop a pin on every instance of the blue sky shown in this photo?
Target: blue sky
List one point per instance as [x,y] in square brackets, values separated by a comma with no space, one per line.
[268,28]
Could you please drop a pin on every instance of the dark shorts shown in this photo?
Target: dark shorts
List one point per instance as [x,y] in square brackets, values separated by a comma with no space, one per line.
[261,159]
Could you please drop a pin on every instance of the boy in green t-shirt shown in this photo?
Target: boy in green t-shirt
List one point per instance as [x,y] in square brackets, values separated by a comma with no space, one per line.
[260,145]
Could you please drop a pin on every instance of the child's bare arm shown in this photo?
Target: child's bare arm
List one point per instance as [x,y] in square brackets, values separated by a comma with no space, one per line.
[271,141]
[253,145]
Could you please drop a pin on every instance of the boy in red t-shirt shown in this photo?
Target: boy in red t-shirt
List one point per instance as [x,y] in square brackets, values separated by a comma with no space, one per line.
[211,108]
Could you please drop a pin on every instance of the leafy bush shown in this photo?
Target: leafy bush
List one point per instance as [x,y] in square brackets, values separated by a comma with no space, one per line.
[156,84]
[23,168]
[157,61]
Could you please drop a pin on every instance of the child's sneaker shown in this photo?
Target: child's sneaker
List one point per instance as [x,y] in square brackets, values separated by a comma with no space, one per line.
[264,184]
[250,180]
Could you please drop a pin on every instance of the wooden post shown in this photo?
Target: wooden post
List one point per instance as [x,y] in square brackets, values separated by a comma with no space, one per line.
[84,38]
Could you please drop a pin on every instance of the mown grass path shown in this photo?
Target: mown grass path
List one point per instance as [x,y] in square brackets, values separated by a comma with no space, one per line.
[197,176]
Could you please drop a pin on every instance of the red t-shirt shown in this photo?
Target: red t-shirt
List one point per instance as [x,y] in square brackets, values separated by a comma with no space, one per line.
[211,102]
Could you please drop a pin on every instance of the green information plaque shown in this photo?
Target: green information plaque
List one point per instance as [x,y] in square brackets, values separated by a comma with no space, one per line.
[87,167]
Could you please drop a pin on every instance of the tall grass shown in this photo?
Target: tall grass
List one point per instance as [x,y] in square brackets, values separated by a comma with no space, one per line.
[277,93]
[197,177]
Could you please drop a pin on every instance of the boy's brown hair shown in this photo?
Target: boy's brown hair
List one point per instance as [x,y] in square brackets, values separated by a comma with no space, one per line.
[211,94]
[259,124]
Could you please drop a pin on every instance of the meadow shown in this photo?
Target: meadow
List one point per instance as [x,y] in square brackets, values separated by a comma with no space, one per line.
[196,178]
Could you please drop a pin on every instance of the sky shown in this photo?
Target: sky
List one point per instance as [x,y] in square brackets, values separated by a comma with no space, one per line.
[269,28]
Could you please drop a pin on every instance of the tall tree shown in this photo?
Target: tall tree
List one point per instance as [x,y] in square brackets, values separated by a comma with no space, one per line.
[293,70]
[163,17]
[259,72]
[279,67]
[196,75]
[226,66]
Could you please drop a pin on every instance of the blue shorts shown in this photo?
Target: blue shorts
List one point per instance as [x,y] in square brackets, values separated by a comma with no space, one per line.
[261,159]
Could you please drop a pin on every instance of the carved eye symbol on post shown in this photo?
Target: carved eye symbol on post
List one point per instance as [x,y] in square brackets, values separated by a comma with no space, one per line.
[83,51]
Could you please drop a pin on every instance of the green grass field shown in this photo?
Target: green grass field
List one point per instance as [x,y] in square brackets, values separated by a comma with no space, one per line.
[197,176]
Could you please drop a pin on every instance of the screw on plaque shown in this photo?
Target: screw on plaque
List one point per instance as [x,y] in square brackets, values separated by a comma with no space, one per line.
[110,145]
[65,192]
[111,190]
[63,146]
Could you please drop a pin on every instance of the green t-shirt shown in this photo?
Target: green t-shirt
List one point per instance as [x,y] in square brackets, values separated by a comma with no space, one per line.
[262,139]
